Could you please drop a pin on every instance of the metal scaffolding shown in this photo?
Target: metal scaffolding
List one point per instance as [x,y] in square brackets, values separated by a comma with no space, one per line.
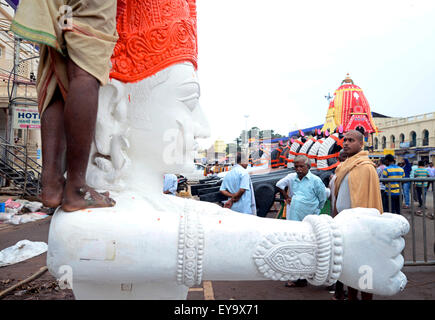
[15,163]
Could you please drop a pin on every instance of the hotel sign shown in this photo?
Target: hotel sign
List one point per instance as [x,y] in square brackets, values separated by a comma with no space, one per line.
[26,118]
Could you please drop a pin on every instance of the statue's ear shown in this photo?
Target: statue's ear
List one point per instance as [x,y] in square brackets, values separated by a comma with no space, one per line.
[112,109]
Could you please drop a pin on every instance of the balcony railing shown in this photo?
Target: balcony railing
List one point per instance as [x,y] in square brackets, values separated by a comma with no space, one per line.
[401,121]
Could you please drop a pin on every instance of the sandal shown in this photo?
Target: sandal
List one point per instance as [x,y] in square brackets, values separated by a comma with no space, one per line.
[419,213]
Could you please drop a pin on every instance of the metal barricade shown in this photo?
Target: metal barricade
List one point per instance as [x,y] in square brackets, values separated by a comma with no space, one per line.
[416,252]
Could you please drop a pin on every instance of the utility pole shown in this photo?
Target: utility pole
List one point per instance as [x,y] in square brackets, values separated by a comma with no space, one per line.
[245,150]
[17,44]
[10,123]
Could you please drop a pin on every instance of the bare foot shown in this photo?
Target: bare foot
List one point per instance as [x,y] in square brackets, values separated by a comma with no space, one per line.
[85,197]
[52,192]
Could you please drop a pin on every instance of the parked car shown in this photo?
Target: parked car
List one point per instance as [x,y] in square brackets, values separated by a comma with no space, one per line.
[197,174]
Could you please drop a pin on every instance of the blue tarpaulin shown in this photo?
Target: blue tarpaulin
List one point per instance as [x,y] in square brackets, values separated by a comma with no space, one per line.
[306,130]
[409,155]
[279,139]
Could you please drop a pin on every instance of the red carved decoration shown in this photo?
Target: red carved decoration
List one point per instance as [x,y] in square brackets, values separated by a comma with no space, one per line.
[153,34]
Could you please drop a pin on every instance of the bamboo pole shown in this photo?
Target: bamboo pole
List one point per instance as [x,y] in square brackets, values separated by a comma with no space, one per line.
[19,284]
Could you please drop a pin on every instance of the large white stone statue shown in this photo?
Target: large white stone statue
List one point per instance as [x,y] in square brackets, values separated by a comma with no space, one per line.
[155,246]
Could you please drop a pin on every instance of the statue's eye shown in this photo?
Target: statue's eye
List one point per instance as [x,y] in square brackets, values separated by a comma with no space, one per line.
[189,93]
[191,102]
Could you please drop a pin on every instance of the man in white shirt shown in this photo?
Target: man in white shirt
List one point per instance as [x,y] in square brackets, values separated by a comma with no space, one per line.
[307,193]
[237,186]
[170,184]
[431,170]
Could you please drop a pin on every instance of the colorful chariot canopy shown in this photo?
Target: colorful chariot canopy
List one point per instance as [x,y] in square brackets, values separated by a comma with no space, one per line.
[153,35]
[350,109]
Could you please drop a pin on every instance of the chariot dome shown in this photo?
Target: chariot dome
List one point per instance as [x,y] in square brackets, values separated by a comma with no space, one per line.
[350,109]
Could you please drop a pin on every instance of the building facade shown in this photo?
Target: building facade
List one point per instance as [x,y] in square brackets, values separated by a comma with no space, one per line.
[411,137]
[23,89]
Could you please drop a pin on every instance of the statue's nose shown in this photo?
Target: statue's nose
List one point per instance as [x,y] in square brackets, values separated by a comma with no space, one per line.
[202,128]
[202,131]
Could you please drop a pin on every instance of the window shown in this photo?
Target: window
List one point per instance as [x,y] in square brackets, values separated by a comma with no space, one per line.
[413,139]
[425,137]
[376,143]
[392,142]
[23,69]
[384,142]
[402,138]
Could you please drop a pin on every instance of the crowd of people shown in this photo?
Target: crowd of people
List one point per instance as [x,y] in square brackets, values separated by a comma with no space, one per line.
[214,169]
[392,192]
[355,184]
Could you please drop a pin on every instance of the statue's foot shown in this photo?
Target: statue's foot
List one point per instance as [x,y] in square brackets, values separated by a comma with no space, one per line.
[52,193]
[85,197]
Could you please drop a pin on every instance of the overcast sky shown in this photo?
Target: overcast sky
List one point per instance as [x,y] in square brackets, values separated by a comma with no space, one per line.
[276,60]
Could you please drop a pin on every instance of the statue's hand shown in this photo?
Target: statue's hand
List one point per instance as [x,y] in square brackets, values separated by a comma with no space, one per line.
[372,246]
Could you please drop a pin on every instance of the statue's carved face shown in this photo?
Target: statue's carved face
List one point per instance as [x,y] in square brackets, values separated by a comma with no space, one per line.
[147,127]
[165,119]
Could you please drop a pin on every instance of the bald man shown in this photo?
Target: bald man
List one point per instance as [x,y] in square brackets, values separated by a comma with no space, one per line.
[356,185]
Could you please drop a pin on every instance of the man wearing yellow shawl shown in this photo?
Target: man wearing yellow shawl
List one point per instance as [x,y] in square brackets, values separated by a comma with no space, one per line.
[356,185]
[77,38]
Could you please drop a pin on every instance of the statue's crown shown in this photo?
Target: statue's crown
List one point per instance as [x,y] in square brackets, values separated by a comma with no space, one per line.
[153,34]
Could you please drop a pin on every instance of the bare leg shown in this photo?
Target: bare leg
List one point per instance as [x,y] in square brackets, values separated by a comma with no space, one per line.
[339,291]
[79,117]
[366,296]
[53,152]
[352,294]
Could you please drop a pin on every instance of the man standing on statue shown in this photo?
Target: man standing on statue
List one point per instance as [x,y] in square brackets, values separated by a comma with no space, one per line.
[77,39]
[356,185]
